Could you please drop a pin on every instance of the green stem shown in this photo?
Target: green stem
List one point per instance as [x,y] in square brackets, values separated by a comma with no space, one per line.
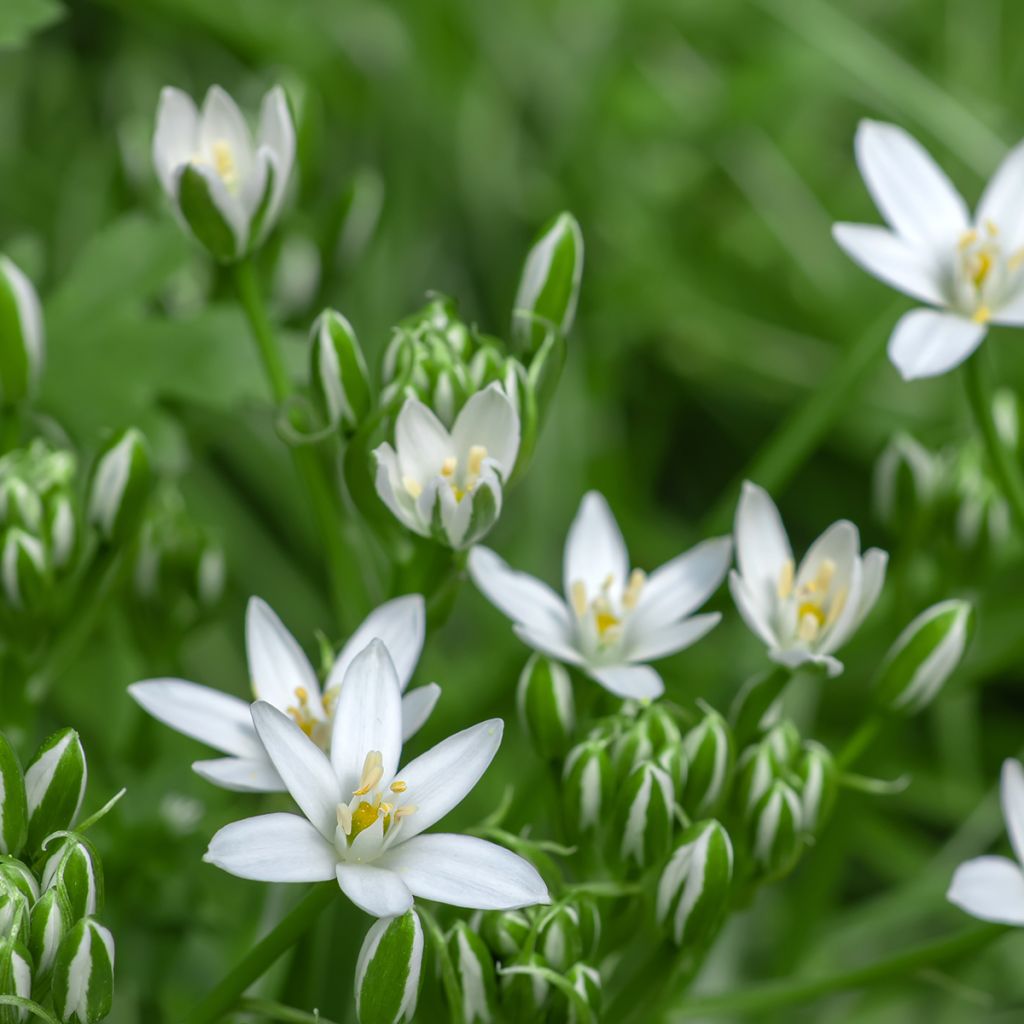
[778,995]
[266,1009]
[860,740]
[264,954]
[347,587]
[1004,464]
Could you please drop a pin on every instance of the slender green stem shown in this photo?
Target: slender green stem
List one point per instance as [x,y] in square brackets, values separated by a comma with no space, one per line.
[778,995]
[347,587]
[865,735]
[266,1009]
[1004,464]
[264,954]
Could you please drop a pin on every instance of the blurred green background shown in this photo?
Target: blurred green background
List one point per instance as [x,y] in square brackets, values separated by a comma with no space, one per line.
[705,147]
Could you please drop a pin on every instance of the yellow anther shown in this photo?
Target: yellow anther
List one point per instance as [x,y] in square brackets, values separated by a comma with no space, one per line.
[412,486]
[785,586]
[637,579]
[344,813]
[837,606]
[477,454]
[373,772]
[404,811]
[810,610]
[992,228]
[968,238]
[448,466]
[982,315]
[823,580]
[605,621]
[981,266]
[578,596]
[398,786]
[302,694]
[224,162]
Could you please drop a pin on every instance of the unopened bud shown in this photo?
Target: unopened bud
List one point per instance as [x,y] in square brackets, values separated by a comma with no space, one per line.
[776,830]
[474,971]
[505,932]
[819,785]
[55,786]
[120,486]
[82,986]
[906,476]
[709,751]
[560,940]
[22,341]
[51,919]
[525,995]
[546,707]
[389,969]
[13,801]
[15,979]
[586,980]
[338,376]
[74,868]
[24,570]
[645,817]
[587,786]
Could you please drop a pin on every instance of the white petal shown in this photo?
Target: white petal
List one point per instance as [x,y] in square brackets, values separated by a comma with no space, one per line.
[873,566]
[463,871]
[926,343]
[214,718]
[635,682]
[684,584]
[277,131]
[1012,794]
[302,765]
[644,644]
[30,313]
[439,780]
[421,441]
[277,664]
[455,515]
[220,123]
[522,598]
[417,706]
[489,419]
[990,888]
[752,613]
[368,717]
[401,624]
[839,547]
[551,644]
[390,490]
[377,891]
[911,191]
[594,549]
[794,657]
[762,547]
[1002,202]
[1011,311]
[241,774]
[911,269]
[273,848]
[176,137]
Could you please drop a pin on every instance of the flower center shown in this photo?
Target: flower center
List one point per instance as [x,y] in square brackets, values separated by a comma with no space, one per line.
[461,478]
[982,269]
[221,158]
[368,803]
[818,603]
[607,617]
[306,719]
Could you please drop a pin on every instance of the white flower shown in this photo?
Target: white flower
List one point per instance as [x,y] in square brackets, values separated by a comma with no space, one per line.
[612,619]
[245,178]
[282,676]
[364,818]
[806,614]
[992,888]
[449,486]
[971,270]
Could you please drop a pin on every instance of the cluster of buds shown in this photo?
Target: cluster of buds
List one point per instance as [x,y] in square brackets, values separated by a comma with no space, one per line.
[53,951]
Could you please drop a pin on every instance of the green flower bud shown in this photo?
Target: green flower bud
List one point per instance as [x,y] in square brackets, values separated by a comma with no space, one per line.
[74,868]
[662,727]
[120,486]
[24,570]
[757,769]
[587,786]
[709,751]
[674,762]
[505,932]
[645,817]
[906,478]
[204,217]
[784,741]
[632,747]
[20,505]
[55,786]
[16,873]
[474,970]
[546,706]
[693,892]
[13,801]
[776,829]
[560,940]
[549,284]
[15,979]
[525,995]
[82,985]
[211,574]
[51,919]
[587,981]
[61,529]
[15,905]
[923,657]
[22,341]
[389,969]
[588,914]
[819,785]
[487,365]
[338,376]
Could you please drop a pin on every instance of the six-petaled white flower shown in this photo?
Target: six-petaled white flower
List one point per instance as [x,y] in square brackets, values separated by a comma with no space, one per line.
[803,614]
[970,269]
[449,485]
[992,888]
[282,676]
[210,156]
[613,619]
[364,818]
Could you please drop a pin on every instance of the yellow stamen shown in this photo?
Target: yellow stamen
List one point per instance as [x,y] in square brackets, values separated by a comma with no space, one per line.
[345,818]
[992,228]
[224,162]
[404,811]
[838,604]
[303,694]
[821,582]
[637,580]
[982,315]
[578,596]
[785,586]
[809,624]
[982,265]
[968,238]
[448,466]
[477,454]
[398,786]
[373,772]
[412,486]
[809,610]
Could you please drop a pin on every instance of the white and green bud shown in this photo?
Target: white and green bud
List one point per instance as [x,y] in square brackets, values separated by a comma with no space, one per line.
[338,376]
[906,479]
[694,889]
[560,940]
[17,873]
[50,920]
[22,340]
[82,986]
[673,760]
[211,574]
[710,753]
[474,971]
[662,728]
[758,767]
[15,979]
[505,932]
[24,570]
[120,486]
[632,747]
[776,831]
[546,707]
[55,786]
[588,782]
[645,817]
[586,980]
[20,505]
[389,970]
[13,801]
[924,656]
[62,529]
[525,994]
[15,905]
[74,868]
[783,739]
[549,284]
[819,786]
[588,913]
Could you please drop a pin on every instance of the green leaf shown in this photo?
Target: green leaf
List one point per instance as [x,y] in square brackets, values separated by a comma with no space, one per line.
[21,19]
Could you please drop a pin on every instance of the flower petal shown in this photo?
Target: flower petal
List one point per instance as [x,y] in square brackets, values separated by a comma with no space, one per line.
[489,419]
[989,888]
[176,135]
[277,131]
[221,123]
[376,890]
[241,774]
[926,343]
[910,269]
[550,644]
[463,871]
[302,765]
[421,441]
[214,718]
[1012,795]
[390,490]
[752,613]
[912,193]
[594,549]
[682,585]
[631,682]
[368,717]
[277,664]
[273,848]
[762,547]
[439,780]
[873,566]
[645,644]
[417,706]
[1002,202]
